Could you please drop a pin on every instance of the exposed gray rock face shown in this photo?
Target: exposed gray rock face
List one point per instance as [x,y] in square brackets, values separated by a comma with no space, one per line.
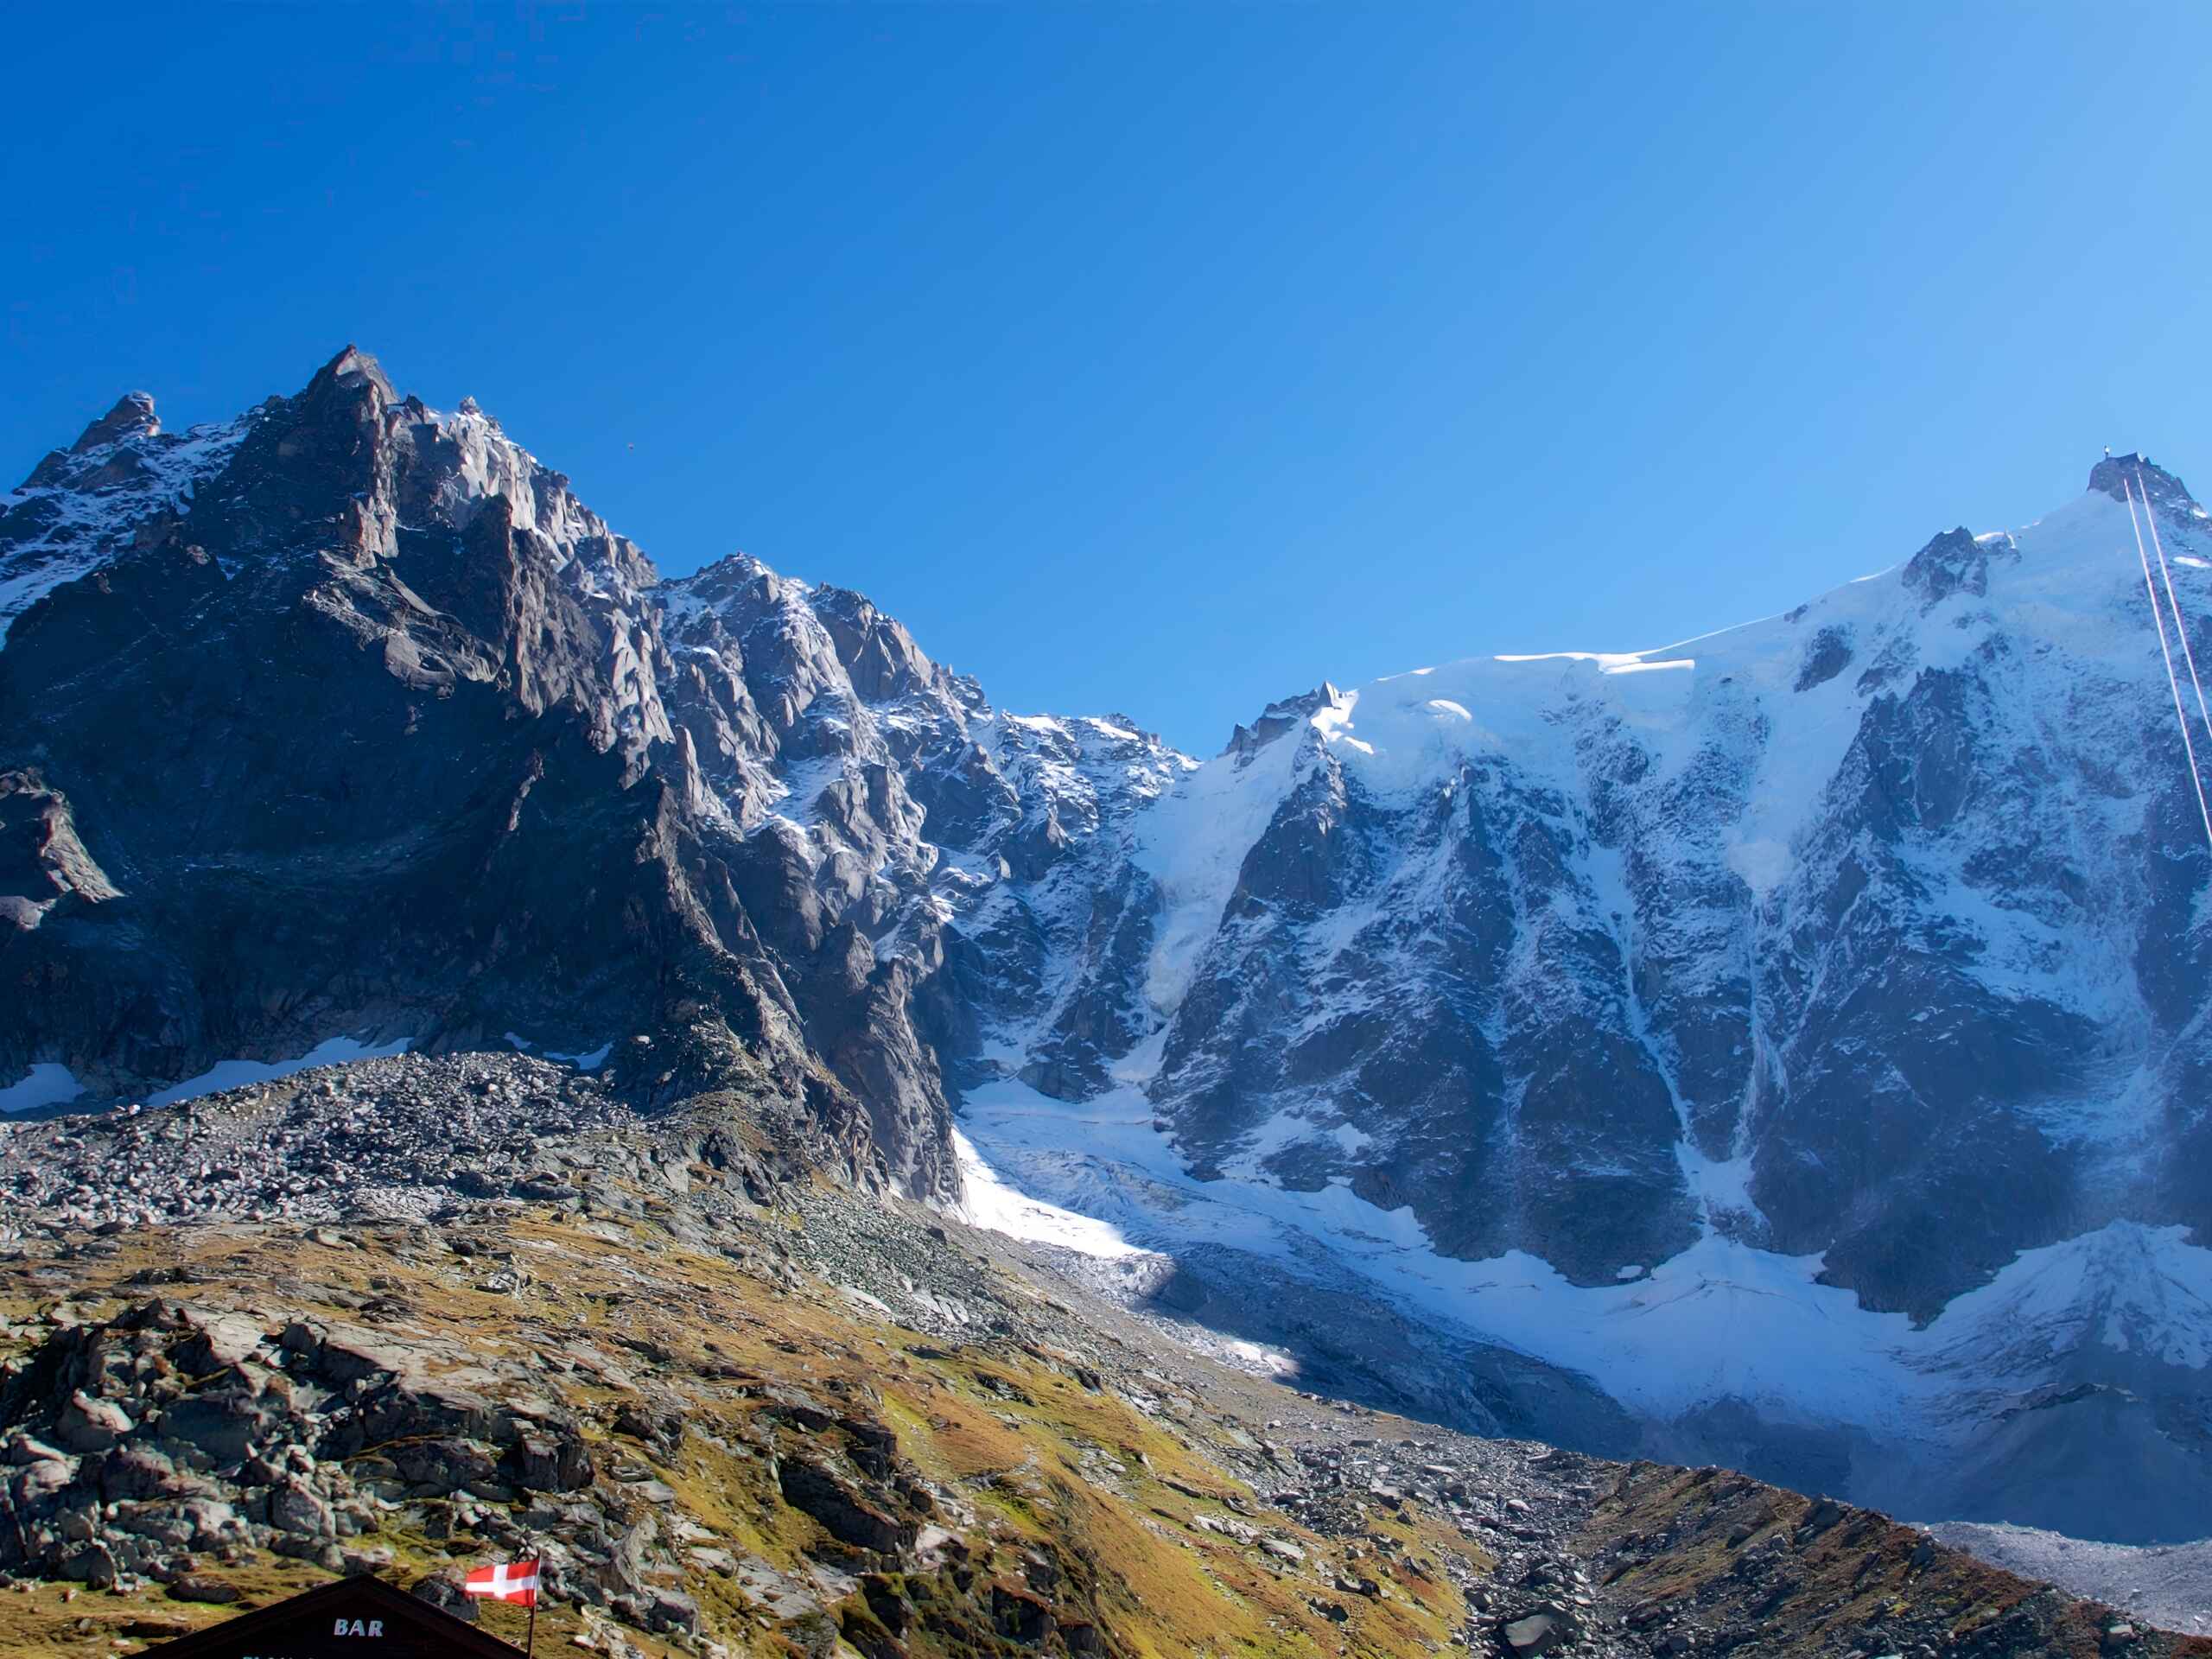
[1860,948]
[42,860]
[1867,936]
[2115,474]
[375,739]
[1287,714]
[2170,1587]
[1545,988]
[417,747]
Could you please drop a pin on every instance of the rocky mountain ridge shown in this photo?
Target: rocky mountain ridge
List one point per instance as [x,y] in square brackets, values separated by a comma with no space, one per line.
[735,1410]
[544,820]
[1797,1033]
[1845,965]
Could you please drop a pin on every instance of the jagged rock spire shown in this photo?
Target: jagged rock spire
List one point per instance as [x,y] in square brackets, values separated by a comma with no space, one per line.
[2165,492]
[132,416]
[1281,716]
[350,371]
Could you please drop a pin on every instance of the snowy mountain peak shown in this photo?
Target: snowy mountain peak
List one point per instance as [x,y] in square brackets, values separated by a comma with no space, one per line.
[2111,476]
[1956,561]
[1824,970]
[1282,716]
[1645,1014]
[83,506]
[132,416]
[352,370]
[721,579]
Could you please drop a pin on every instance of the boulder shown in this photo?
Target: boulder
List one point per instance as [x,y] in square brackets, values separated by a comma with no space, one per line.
[86,1424]
[295,1507]
[1538,1633]
[199,1587]
[844,1513]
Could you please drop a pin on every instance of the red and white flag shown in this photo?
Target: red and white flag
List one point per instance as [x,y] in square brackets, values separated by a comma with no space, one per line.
[514,1581]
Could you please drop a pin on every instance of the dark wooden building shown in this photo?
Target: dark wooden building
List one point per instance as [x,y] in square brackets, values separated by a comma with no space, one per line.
[352,1618]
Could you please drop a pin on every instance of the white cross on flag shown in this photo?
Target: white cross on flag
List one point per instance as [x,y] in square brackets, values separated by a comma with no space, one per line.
[516,1581]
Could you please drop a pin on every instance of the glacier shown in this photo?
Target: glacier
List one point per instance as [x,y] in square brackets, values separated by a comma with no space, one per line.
[1785,1047]
[2103,1306]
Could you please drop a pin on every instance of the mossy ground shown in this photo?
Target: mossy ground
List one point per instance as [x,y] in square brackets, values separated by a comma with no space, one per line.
[1048,1464]
[1700,1534]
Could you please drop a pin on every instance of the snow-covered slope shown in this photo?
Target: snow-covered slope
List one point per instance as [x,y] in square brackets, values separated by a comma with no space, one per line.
[1786,1048]
[1806,1019]
[82,504]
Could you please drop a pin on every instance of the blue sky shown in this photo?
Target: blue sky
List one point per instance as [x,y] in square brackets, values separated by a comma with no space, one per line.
[1164,359]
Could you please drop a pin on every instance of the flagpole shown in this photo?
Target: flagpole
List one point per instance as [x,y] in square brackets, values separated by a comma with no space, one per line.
[530,1640]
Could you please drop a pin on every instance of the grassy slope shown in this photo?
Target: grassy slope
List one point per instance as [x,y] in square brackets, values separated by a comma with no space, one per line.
[1041,1459]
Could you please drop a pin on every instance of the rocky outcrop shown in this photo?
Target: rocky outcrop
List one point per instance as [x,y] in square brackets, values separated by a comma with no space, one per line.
[526,788]
[172,1442]
[1735,943]
[1864,935]
[1954,563]
[173,1431]
[42,861]
[2166,494]
[1853,949]
[661,1379]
